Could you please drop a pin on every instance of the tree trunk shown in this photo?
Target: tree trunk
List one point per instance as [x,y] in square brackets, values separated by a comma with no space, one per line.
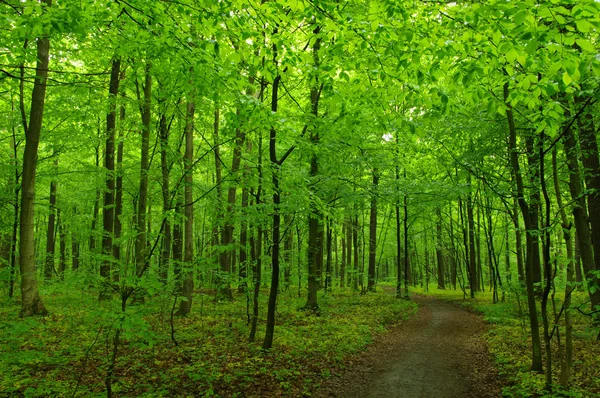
[373,233]
[439,250]
[31,303]
[471,229]
[187,290]
[62,261]
[118,203]
[566,360]
[140,239]
[165,255]
[272,305]
[533,160]
[536,358]
[315,234]
[591,165]
[581,217]
[50,238]
[108,211]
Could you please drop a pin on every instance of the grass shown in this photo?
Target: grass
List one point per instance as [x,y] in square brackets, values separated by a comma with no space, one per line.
[510,343]
[67,353]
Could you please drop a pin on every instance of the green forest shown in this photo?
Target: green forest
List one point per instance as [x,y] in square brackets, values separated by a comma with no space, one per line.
[270,198]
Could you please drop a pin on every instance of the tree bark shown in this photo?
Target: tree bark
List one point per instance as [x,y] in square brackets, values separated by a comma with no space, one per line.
[580,216]
[373,233]
[566,360]
[536,358]
[591,165]
[140,239]
[439,250]
[31,303]
[165,255]
[50,238]
[108,212]
[187,290]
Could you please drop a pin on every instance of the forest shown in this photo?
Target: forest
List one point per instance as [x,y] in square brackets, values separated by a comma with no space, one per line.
[251,198]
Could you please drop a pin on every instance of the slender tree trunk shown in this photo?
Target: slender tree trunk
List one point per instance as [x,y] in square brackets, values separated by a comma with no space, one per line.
[406,259]
[272,305]
[546,261]
[315,234]
[439,250]
[471,229]
[118,226]
[566,360]
[165,255]
[31,303]
[534,204]
[187,290]
[108,211]
[344,257]
[328,263]
[140,241]
[226,257]
[50,238]
[536,359]
[62,238]
[373,233]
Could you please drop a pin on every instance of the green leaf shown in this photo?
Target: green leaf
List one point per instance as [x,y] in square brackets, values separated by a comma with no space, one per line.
[586,45]
[566,79]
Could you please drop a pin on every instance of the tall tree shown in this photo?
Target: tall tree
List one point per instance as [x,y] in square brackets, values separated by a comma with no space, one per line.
[31,303]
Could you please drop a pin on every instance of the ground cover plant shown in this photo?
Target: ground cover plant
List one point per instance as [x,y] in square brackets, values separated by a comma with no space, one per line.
[68,353]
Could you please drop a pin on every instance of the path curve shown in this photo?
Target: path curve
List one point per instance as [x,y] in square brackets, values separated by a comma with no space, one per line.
[438,353]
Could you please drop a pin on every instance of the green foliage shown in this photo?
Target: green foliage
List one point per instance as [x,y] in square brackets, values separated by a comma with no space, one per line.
[50,356]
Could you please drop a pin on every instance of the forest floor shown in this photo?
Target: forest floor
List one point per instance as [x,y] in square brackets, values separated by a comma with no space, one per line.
[440,352]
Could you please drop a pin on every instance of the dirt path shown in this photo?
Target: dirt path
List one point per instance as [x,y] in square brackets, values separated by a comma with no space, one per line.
[438,353]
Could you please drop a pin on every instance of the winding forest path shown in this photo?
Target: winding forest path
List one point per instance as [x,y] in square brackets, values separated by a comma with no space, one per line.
[440,352]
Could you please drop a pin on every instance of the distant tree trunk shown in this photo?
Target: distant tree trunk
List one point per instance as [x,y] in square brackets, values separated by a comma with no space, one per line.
[118,202]
[74,247]
[355,273]
[315,234]
[373,233]
[534,178]
[187,290]
[577,264]
[406,258]
[108,211]
[31,303]
[471,229]
[344,257]
[15,224]
[50,238]
[454,255]
[439,250]
[536,358]
[226,258]
[92,244]
[243,267]
[566,359]
[518,242]
[62,261]
[163,268]
[256,244]
[581,217]
[140,239]
[272,304]
[287,252]
[178,243]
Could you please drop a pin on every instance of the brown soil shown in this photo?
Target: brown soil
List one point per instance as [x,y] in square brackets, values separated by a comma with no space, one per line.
[438,353]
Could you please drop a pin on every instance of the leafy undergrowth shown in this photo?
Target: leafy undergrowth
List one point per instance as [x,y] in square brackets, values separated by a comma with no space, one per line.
[510,344]
[67,353]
